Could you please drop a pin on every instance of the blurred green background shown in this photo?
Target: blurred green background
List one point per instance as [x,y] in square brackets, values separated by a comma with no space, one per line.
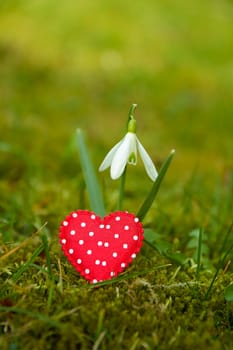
[69,64]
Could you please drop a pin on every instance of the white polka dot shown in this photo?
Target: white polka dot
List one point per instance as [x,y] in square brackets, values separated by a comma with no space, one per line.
[94,281]
[126,227]
[81,242]
[123,264]
[112,273]
[79,261]
[133,256]
[114,254]
[91,233]
[104,263]
[71,251]
[101,226]
[97,262]
[108,227]
[100,243]
[83,224]
[63,241]
[75,215]
[87,271]
[89,252]
[135,237]
[72,232]
[93,216]
[116,235]
[125,246]
[117,218]
[106,244]
[65,223]
[136,220]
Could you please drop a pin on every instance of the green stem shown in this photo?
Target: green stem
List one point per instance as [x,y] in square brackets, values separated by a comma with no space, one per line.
[121,190]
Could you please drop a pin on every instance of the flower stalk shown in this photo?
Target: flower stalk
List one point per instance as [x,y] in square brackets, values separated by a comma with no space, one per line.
[122,189]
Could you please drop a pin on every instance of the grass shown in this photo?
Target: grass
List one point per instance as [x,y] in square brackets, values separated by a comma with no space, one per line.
[64,66]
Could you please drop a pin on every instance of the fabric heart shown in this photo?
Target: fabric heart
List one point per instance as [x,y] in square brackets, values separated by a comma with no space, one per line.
[98,248]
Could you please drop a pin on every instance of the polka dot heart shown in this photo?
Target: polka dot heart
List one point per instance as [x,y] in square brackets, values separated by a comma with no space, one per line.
[98,248]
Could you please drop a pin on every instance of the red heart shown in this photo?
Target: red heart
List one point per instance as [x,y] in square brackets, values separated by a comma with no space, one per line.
[100,248]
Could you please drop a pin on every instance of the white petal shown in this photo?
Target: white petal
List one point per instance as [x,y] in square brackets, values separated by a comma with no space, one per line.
[109,157]
[149,165]
[120,158]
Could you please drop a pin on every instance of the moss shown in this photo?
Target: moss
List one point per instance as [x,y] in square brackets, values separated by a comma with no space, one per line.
[153,311]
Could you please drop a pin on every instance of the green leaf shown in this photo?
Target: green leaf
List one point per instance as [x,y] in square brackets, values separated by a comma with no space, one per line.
[154,190]
[93,188]
[150,235]
[153,239]
[229,293]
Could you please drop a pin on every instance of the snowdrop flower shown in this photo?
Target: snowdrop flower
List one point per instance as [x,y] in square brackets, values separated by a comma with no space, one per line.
[125,151]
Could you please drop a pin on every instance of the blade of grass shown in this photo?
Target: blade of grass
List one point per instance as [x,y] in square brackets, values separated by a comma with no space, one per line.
[51,288]
[32,314]
[221,260]
[154,190]
[24,267]
[199,253]
[60,280]
[93,188]
[21,245]
[39,268]
[49,271]
[126,276]
[47,255]
[15,277]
